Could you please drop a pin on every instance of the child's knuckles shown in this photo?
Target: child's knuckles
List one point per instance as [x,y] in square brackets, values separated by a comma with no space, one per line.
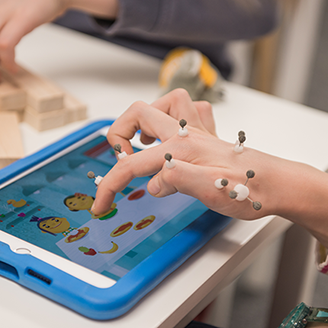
[5,44]
[137,108]
[179,93]
[204,107]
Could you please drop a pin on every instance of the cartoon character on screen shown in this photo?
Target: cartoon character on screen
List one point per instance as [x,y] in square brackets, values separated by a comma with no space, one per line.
[80,202]
[54,225]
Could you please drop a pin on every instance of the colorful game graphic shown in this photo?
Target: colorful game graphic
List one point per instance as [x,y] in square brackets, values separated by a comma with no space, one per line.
[92,252]
[20,203]
[123,228]
[137,194]
[54,225]
[144,223]
[80,202]
[51,208]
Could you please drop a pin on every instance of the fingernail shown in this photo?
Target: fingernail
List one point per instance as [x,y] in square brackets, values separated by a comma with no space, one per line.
[153,186]
[93,207]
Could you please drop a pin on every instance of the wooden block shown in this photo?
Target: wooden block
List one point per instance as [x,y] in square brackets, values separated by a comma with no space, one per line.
[11,96]
[76,111]
[45,121]
[19,112]
[11,147]
[42,95]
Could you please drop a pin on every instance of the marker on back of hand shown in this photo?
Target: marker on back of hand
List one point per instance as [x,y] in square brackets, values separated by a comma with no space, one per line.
[239,145]
[98,179]
[241,192]
[121,154]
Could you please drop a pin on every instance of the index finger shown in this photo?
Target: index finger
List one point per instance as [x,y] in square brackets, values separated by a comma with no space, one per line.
[141,164]
[141,116]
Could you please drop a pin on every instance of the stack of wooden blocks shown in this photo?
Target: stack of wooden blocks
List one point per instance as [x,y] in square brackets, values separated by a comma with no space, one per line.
[11,147]
[38,101]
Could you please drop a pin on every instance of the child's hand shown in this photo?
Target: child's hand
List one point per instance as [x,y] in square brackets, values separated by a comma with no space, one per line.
[200,158]
[19,17]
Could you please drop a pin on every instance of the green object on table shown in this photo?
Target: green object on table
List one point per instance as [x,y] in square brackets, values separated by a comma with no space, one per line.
[302,314]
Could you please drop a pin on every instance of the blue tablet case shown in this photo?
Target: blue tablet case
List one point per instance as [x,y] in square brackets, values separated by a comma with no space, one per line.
[88,300]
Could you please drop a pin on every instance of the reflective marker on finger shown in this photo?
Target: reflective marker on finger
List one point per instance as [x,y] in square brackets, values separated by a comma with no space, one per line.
[98,179]
[121,154]
[170,163]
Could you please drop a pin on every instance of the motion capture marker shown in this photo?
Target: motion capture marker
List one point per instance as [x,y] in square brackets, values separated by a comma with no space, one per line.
[242,192]
[257,206]
[233,194]
[221,183]
[121,154]
[98,179]
[250,174]
[91,175]
[170,163]
[183,132]
[239,145]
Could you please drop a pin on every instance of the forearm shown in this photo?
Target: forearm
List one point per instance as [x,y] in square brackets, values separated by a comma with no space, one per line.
[101,8]
[303,198]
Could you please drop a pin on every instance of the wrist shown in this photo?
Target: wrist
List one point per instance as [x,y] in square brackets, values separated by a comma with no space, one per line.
[303,198]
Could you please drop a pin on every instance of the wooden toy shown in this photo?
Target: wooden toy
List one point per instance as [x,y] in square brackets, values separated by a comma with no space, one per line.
[11,147]
[42,94]
[11,96]
[45,121]
[38,101]
[75,110]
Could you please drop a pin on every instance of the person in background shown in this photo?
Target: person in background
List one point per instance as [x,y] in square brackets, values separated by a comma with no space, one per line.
[151,26]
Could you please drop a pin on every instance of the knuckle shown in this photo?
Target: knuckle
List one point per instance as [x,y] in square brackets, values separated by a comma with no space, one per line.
[137,106]
[204,106]
[5,44]
[180,93]
[124,164]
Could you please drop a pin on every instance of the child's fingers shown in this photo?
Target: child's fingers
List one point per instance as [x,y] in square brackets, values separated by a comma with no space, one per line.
[145,117]
[190,179]
[205,113]
[11,33]
[179,105]
[7,49]
[140,164]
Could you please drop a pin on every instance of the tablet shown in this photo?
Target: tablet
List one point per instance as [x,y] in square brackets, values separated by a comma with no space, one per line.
[99,266]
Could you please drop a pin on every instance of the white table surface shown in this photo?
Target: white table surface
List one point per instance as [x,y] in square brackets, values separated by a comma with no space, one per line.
[109,78]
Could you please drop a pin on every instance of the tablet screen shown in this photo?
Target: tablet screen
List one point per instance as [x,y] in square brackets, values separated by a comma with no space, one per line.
[50,208]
